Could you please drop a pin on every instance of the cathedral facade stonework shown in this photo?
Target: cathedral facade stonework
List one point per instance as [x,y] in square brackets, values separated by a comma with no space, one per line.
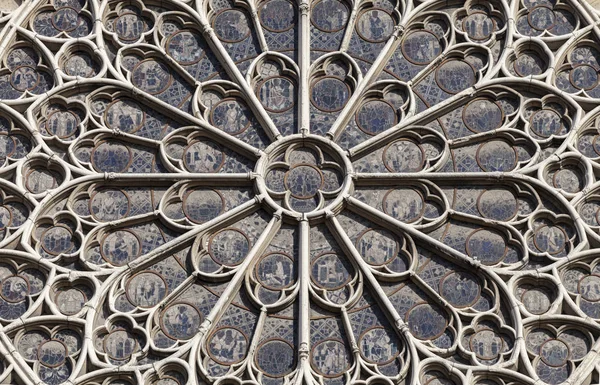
[287,192]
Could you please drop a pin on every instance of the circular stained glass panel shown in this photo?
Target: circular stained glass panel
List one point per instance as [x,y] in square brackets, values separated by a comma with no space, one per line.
[421,47]
[455,75]
[227,345]
[14,289]
[330,358]
[184,47]
[70,301]
[331,272]
[146,289]
[180,321]
[231,26]
[121,247]
[277,15]
[229,247]
[378,345]
[330,15]
[276,271]
[52,353]
[330,94]
[375,25]
[275,358]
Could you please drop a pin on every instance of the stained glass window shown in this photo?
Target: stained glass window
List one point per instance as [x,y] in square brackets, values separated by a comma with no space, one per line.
[315,192]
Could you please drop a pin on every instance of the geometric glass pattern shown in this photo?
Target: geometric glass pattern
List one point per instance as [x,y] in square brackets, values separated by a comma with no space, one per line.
[299,192]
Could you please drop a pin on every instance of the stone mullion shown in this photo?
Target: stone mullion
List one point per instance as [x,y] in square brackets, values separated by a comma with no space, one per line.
[257,27]
[379,217]
[353,343]
[238,279]
[371,75]
[373,143]
[304,302]
[233,71]
[304,65]
[382,299]
[232,289]
[350,27]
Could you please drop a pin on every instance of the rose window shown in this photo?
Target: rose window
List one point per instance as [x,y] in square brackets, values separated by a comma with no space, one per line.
[277,192]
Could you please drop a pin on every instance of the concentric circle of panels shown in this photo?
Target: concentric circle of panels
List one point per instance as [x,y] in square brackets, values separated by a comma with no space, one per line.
[277,192]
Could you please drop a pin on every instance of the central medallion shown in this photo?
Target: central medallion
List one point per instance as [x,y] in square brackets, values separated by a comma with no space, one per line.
[303,174]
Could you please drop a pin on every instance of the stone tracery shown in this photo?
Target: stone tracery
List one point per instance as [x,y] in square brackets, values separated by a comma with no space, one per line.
[273,192]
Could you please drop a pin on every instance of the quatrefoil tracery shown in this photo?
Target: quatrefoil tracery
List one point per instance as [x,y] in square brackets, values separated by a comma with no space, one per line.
[269,192]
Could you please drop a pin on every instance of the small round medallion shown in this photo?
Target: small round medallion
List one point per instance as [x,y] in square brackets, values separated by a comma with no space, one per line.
[120,345]
[375,117]
[275,358]
[57,240]
[230,116]
[589,287]
[65,19]
[229,247]
[303,181]
[378,246]
[62,124]
[497,204]
[404,156]
[14,289]
[79,64]
[204,157]
[537,300]
[454,76]
[405,204]
[231,26]
[330,358]
[331,272]
[378,345]
[486,246]
[486,344]
[421,47]
[277,15]
[184,47]
[375,25]
[426,322]
[460,289]
[200,206]
[24,78]
[545,123]
[550,239]
[277,93]
[146,289]
[330,94]
[584,77]
[129,27]
[478,26]
[120,247]
[227,345]
[52,353]
[70,301]
[151,76]
[482,115]
[541,18]
[554,353]
[125,115]
[276,271]
[180,321]
[109,205]
[496,155]
[329,15]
